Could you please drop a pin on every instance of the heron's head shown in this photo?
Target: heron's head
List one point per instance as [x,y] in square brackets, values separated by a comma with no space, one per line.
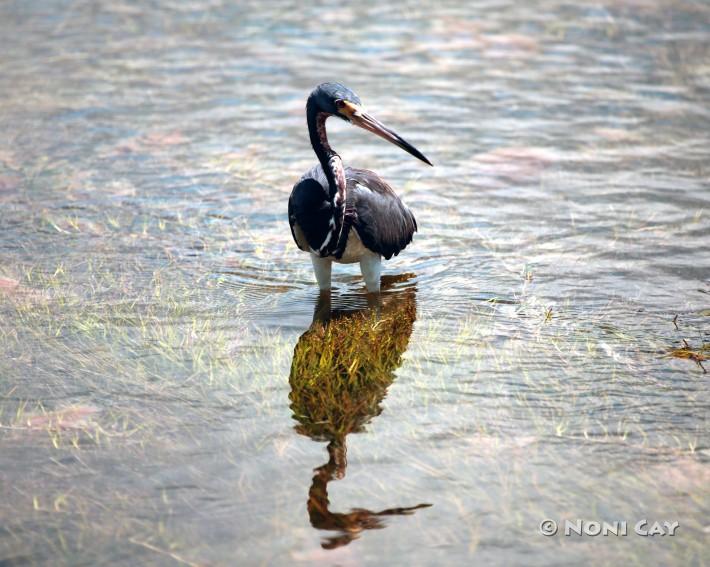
[338,100]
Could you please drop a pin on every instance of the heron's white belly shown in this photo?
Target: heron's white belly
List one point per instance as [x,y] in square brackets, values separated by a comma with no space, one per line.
[354,249]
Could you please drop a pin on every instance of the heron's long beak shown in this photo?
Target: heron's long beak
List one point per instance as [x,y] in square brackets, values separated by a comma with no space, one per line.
[367,122]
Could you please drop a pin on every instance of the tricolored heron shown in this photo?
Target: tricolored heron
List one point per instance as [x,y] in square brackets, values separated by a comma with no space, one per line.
[346,215]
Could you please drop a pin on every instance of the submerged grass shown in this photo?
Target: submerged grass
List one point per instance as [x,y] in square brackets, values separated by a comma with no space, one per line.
[131,367]
[118,340]
[342,367]
[140,363]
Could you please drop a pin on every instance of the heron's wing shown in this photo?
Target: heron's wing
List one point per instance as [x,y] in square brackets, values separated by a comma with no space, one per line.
[309,213]
[384,223]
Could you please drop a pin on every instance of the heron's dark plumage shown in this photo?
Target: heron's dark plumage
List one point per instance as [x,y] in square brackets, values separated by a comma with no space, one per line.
[309,213]
[383,223]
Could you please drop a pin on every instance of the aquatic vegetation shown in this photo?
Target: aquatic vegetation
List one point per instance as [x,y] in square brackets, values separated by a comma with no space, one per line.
[697,355]
[342,366]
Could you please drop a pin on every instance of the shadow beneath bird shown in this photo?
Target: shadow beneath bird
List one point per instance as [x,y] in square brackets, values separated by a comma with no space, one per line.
[341,369]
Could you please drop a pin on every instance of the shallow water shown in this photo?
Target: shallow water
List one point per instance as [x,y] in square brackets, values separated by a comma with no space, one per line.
[155,311]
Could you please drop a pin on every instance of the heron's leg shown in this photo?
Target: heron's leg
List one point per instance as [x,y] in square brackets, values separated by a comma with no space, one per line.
[371,268]
[321,267]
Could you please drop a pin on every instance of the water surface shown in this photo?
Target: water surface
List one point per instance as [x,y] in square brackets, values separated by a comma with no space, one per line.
[157,319]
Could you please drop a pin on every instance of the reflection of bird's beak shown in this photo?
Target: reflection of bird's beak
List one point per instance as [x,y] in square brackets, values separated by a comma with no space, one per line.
[360,118]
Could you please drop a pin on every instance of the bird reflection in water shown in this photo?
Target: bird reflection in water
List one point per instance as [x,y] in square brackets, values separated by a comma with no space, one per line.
[341,369]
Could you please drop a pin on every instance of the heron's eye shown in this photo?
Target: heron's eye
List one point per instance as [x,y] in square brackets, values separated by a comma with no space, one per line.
[339,104]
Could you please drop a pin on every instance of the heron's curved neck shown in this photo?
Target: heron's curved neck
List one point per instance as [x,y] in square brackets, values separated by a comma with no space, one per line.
[330,161]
